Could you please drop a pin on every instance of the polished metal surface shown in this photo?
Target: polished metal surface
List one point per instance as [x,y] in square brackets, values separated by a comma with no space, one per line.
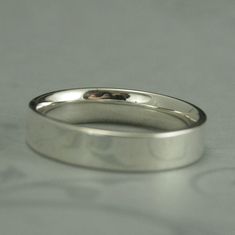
[57,128]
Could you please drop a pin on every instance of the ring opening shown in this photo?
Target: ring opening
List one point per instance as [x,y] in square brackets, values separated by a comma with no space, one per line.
[118,109]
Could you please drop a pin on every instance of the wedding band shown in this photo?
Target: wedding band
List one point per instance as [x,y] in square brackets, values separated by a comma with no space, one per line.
[57,127]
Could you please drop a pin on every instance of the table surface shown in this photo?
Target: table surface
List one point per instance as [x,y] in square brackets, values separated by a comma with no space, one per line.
[177,47]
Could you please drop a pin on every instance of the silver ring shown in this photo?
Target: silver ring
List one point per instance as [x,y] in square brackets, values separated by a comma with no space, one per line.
[57,127]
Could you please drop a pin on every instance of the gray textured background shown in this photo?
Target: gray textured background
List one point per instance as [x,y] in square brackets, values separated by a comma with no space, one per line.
[183,48]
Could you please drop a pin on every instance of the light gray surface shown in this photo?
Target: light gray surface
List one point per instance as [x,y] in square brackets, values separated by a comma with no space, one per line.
[181,48]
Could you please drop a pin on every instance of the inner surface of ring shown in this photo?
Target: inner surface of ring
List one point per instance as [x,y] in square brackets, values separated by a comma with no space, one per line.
[116,106]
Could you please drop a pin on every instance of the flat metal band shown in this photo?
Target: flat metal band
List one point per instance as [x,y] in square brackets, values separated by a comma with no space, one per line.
[56,128]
